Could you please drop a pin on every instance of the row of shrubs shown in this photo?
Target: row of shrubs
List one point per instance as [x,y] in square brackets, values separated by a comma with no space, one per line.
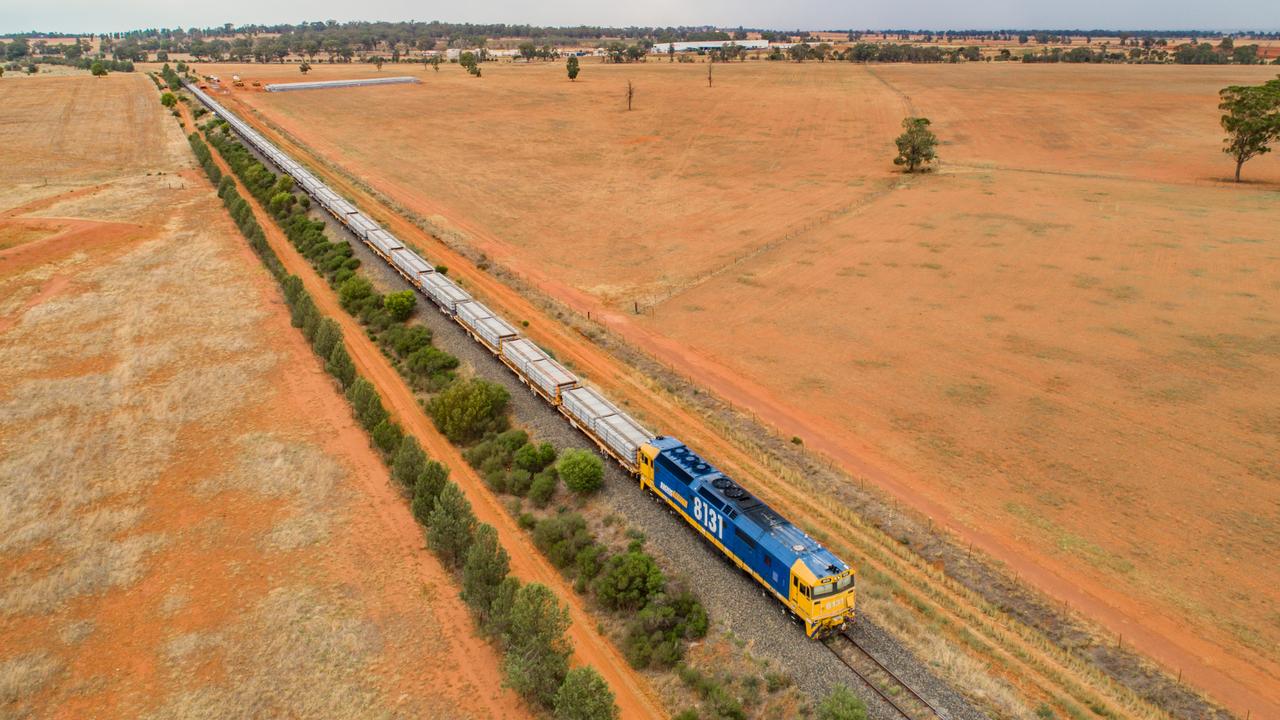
[663,615]
[427,368]
[526,621]
[85,63]
[171,78]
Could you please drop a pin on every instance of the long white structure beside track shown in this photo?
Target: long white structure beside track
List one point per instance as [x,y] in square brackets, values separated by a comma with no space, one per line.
[615,432]
[325,84]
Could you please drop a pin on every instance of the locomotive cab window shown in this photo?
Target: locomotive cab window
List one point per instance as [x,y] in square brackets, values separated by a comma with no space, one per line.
[823,590]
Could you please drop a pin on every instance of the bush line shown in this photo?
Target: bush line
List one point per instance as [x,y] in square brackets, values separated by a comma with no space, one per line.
[526,621]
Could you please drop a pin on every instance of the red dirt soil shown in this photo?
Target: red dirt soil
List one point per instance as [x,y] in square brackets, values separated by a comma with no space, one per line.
[209,570]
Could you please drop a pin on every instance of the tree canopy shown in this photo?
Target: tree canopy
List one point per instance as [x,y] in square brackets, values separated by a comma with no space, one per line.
[537,651]
[916,144]
[1251,117]
[584,695]
[581,470]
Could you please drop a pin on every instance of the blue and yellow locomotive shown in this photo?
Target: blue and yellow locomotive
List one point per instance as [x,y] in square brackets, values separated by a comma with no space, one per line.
[807,578]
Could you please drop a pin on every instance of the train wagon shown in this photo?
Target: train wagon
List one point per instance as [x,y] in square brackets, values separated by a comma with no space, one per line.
[546,376]
[384,243]
[806,577]
[409,264]
[444,292]
[490,330]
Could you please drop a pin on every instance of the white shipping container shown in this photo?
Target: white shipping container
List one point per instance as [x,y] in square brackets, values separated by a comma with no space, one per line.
[342,208]
[472,313]
[622,434]
[538,367]
[522,352]
[384,241]
[409,262]
[444,291]
[361,225]
[494,330]
[584,404]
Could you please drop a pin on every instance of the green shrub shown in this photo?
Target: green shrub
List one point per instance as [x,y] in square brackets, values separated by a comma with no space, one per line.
[498,622]
[387,436]
[841,704]
[341,367]
[430,367]
[628,581]
[543,487]
[465,411]
[534,458]
[404,340]
[485,568]
[562,537]
[328,335]
[426,489]
[400,304]
[518,482]
[655,635]
[353,293]
[716,698]
[777,681]
[511,440]
[366,403]
[537,652]
[584,695]
[409,462]
[496,479]
[581,470]
[590,561]
[451,526]
[489,454]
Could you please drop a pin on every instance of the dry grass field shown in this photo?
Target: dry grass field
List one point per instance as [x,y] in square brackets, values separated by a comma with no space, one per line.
[1063,343]
[191,524]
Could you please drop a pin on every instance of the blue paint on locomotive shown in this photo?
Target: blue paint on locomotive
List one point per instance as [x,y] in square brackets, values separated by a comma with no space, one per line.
[766,542]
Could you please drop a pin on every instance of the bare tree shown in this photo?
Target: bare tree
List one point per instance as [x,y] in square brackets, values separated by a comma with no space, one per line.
[631,93]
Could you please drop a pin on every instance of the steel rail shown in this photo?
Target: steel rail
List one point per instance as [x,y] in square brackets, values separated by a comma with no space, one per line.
[869,682]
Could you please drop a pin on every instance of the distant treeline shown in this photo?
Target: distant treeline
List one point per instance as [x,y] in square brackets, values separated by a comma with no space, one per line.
[343,42]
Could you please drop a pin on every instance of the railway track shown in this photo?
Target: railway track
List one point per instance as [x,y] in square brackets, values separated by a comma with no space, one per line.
[890,688]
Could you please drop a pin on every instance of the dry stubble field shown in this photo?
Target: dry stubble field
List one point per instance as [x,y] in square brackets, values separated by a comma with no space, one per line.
[1064,343]
[191,525]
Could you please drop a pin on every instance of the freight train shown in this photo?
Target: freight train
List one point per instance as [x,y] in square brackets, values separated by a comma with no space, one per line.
[811,583]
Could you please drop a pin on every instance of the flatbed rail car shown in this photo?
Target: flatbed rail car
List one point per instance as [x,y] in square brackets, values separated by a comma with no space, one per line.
[810,581]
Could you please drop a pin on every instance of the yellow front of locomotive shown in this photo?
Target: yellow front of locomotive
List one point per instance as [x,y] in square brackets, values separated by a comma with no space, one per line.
[825,604]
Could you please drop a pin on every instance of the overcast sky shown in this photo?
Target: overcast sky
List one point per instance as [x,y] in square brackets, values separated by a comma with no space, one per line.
[118,15]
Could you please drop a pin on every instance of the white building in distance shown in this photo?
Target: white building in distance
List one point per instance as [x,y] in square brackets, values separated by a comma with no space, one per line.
[695,46]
